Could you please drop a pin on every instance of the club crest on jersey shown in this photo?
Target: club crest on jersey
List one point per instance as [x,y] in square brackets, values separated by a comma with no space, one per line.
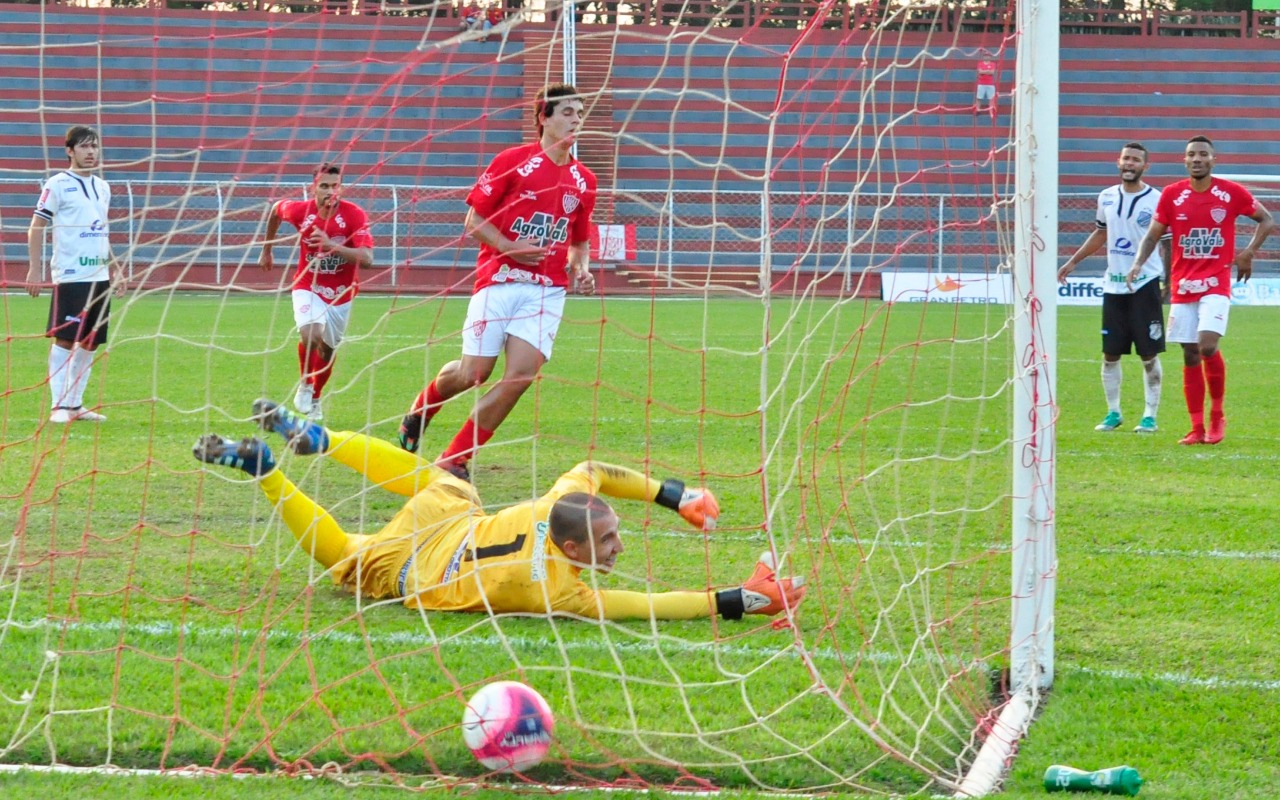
[1218,214]
[1144,219]
[569,202]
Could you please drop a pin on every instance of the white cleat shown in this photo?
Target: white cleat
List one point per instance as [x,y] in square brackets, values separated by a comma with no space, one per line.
[303,400]
[85,415]
[60,415]
[316,414]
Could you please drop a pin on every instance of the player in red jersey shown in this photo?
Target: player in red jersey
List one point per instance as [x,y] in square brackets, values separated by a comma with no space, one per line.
[335,243]
[531,213]
[1201,212]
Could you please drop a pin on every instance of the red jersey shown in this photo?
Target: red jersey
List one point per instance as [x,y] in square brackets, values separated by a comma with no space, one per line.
[1203,225]
[527,196]
[986,73]
[330,276]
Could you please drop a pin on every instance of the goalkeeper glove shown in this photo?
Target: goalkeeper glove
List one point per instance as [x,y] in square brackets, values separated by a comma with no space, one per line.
[698,506]
[763,593]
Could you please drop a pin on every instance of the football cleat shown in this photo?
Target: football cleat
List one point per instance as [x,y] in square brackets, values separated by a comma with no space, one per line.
[249,454]
[1147,425]
[457,469]
[1217,431]
[302,436]
[1195,437]
[303,398]
[411,429]
[317,413]
[61,415]
[1111,422]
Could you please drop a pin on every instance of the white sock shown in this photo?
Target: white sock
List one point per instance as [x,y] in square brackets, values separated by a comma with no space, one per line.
[58,375]
[78,377]
[1111,375]
[1153,375]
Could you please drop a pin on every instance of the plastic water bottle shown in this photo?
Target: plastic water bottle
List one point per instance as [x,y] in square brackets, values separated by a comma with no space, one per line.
[1116,780]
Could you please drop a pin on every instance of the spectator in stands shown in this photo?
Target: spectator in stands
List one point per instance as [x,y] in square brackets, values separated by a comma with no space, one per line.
[1132,314]
[471,17]
[986,89]
[1201,213]
[493,17]
[443,552]
[75,205]
[531,213]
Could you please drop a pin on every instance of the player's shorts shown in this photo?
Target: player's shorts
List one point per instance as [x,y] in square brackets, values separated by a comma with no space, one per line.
[1209,313]
[79,312]
[1133,321]
[310,308]
[985,92]
[522,310]
[385,566]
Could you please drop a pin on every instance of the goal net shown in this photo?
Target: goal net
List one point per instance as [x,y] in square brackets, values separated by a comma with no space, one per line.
[808,301]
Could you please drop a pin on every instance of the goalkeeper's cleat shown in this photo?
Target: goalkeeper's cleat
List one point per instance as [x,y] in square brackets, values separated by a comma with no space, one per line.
[302,436]
[1217,430]
[303,398]
[1111,422]
[411,428]
[1195,437]
[249,454]
[1147,425]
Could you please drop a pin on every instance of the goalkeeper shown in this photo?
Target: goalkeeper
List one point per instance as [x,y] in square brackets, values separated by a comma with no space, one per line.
[442,552]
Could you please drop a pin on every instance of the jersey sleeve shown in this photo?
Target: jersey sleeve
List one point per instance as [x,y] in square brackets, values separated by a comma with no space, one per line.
[363,237]
[47,205]
[1164,207]
[1100,216]
[658,605]
[1248,203]
[572,481]
[291,211]
[491,187]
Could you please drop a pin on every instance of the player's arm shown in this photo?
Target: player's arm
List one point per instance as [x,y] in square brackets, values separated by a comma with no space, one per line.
[265,259]
[1145,249]
[485,232]
[1096,239]
[763,593]
[35,253]
[580,275]
[1244,259]
[698,506]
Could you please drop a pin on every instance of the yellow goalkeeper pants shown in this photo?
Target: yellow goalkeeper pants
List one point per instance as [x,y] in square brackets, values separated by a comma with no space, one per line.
[317,532]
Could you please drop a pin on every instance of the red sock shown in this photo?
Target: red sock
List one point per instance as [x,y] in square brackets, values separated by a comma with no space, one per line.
[429,401]
[304,361]
[323,371]
[1193,390]
[469,439]
[1215,374]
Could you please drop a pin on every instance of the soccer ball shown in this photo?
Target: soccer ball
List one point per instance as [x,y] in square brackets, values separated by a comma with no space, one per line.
[508,726]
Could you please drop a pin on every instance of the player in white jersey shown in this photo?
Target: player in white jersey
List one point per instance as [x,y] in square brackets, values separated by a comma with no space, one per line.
[1132,315]
[75,204]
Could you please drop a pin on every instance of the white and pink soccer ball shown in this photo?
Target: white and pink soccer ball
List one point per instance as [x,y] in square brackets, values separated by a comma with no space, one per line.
[508,726]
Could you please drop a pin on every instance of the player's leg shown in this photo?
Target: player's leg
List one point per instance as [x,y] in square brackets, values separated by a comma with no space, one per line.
[1115,343]
[1214,313]
[324,353]
[1181,330]
[309,313]
[488,314]
[315,530]
[92,332]
[531,334]
[1147,331]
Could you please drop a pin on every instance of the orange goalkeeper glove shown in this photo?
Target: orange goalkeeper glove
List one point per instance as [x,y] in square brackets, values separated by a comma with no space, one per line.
[698,506]
[763,593]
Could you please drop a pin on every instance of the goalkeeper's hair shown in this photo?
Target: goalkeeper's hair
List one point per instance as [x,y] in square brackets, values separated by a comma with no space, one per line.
[326,168]
[79,134]
[546,100]
[573,515]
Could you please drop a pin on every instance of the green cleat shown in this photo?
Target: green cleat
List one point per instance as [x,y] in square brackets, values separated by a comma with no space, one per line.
[1147,425]
[1112,422]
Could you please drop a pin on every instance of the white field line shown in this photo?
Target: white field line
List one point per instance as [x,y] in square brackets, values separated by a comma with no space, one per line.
[642,646]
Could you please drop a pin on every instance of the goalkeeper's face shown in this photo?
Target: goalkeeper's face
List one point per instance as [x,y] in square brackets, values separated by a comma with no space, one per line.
[605,543]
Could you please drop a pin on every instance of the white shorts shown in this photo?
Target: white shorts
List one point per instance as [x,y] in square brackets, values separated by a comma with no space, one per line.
[522,310]
[985,92]
[310,308]
[1209,313]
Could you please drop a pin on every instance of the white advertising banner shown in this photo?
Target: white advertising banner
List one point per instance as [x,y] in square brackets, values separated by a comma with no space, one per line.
[1088,292]
[945,287]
